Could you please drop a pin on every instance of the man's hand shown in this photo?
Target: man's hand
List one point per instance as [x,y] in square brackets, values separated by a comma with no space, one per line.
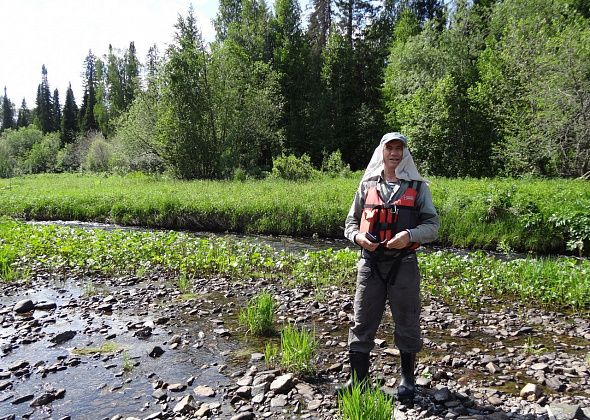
[399,241]
[365,243]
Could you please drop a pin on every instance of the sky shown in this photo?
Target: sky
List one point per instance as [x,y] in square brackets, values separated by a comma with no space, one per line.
[59,34]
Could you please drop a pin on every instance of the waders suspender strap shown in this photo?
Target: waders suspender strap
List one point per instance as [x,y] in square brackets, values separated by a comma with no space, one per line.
[392,273]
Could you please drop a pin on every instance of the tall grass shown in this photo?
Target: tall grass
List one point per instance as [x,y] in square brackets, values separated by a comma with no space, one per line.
[542,216]
[258,316]
[298,350]
[361,403]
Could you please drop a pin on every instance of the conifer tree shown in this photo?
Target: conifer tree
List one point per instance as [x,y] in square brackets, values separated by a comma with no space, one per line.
[130,76]
[69,122]
[24,115]
[7,112]
[44,111]
[114,82]
[56,112]
[87,118]
[320,22]
[229,12]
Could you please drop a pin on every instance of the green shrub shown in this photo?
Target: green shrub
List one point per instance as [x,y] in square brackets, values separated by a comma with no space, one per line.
[98,157]
[6,161]
[43,155]
[292,168]
[333,164]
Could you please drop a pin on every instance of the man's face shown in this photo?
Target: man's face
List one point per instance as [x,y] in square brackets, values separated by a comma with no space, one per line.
[393,152]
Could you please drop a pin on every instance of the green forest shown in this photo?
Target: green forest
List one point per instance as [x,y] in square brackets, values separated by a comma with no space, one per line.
[482,88]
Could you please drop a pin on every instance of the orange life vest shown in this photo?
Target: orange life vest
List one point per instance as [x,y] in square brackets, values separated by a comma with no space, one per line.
[383,220]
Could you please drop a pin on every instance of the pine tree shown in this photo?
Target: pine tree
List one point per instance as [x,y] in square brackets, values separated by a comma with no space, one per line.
[320,22]
[44,112]
[56,112]
[130,76]
[69,122]
[7,112]
[24,115]
[87,118]
[229,12]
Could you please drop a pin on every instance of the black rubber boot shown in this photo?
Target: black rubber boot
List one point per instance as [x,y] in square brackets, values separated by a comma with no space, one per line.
[359,371]
[407,385]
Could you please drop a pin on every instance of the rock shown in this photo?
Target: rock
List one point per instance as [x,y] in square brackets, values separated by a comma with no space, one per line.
[244,392]
[45,306]
[157,351]
[42,399]
[24,306]
[5,384]
[247,415]
[540,366]
[175,339]
[22,399]
[204,391]
[279,401]
[442,395]
[222,332]
[204,410]
[335,367]
[423,381]
[185,405]
[314,405]
[564,411]
[494,400]
[530,390]
[159,394]
[555,384]
[18,365]
[178,387]
[492,368]
[282,384]
[63,337]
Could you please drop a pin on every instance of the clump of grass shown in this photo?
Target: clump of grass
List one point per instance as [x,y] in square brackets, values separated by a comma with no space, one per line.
[258,315]
[531,348]
[127,363]
[298,350]
[89,289]
[184,283]
[271,355]
[362,402]
[105,348]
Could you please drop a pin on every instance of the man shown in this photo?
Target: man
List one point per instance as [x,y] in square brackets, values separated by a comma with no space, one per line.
[391,215]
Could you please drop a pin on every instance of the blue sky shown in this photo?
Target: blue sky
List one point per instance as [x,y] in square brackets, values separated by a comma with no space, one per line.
[59,33]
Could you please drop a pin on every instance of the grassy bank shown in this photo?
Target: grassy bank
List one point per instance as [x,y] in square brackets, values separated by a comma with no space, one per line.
[541,216]
[554,283]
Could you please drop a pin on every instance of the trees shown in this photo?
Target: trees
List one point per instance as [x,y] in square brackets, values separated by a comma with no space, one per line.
[87,119]
[187,123]
[55,111]
[69,122]
[24,115]
[7,112]
[535,88]
[44,111]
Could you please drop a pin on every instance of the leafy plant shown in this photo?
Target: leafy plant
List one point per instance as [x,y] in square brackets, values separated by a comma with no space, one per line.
[271,353]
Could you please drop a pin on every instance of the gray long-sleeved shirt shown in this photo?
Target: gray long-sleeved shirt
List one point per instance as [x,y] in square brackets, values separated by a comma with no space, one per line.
[427,229]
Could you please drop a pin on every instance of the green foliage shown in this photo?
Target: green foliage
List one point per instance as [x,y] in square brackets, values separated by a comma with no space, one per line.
[187,125]
[98,156]
[292,168]
[271,355]
[43,154]
[334,165]
[258,315]
[364,403]
[555,283]
[298,350]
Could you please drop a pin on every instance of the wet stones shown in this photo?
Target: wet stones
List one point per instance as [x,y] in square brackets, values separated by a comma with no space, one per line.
[156,351]
[24,306]
[62,337]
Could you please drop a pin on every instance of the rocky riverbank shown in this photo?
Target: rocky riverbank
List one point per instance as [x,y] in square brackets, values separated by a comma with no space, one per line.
[174,355]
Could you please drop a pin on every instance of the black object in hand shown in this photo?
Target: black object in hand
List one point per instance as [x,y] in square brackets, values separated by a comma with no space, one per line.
[371,237]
